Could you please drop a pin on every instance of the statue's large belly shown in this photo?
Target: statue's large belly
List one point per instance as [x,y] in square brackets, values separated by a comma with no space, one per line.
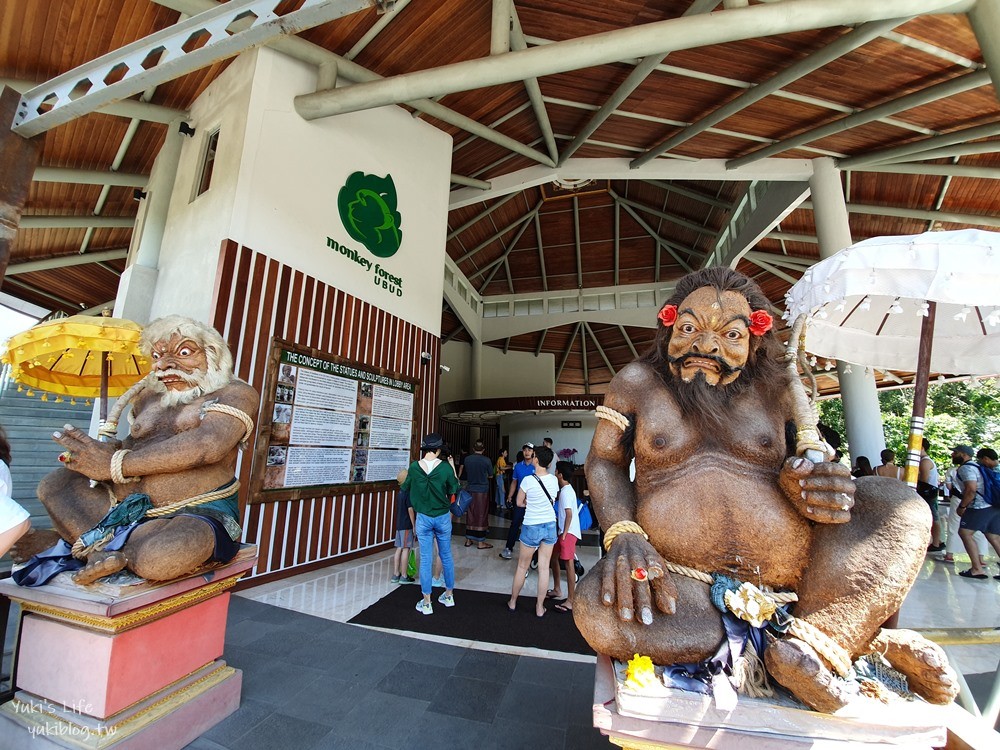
[728,520]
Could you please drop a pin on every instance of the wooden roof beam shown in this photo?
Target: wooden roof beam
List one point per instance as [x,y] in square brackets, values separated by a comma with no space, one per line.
[809,64]
[903,103]
[639,74]
[658,37]
[300,49]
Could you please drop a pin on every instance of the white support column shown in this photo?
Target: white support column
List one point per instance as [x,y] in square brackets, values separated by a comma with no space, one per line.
[138,283]
[477,368]
[857,388]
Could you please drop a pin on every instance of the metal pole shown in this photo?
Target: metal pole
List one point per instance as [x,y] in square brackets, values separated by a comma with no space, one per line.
[914,444]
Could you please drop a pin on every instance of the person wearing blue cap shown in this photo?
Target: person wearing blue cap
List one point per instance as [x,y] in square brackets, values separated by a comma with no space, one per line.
[431,482]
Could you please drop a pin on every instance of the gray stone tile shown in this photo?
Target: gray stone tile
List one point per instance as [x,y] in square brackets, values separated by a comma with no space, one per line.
[586,738]
[362,666]
[439,732]
[467,698]
[276,681]
[280,641]
[280,731]
[412,680]
[334,741]
[205,744]
[552,672]
[511,734]
[533,704]
[325,700]
[321,653]
[242,720]
[384,718]
[486,665]
[421,651]
[247,630]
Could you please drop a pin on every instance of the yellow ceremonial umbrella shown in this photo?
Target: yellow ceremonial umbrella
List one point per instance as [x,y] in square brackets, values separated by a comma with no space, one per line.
[82,355]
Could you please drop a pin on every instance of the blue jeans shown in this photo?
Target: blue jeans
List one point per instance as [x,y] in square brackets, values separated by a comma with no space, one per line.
[427,529]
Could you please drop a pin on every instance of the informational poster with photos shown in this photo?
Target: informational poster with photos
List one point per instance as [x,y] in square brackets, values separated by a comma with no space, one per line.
[333,422]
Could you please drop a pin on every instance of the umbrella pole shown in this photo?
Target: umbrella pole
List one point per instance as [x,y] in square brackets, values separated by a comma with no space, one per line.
[915,443]
[105,367]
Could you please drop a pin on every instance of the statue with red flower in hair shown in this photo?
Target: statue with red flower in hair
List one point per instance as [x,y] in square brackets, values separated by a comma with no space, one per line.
[726,537]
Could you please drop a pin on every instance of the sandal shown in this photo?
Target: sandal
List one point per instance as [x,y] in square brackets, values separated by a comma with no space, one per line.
[468,542]
[562,608]
[969,574]
[552,595]
[484,545]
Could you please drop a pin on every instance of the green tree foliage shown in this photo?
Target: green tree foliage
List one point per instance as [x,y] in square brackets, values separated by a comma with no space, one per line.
[961,412]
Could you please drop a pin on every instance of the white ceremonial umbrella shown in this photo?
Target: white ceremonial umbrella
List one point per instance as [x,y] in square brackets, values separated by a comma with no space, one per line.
[915,303]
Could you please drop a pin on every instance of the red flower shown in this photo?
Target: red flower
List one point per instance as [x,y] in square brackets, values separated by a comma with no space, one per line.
[760,322]
[668,315]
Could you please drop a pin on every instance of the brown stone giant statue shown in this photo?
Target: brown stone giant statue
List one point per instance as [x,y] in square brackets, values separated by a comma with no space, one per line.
[164,500]
[704,414]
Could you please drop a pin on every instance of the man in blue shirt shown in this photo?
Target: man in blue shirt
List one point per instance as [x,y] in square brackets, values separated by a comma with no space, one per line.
[522,469]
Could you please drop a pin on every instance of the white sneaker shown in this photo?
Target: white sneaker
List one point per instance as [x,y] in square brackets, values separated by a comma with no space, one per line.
[437,583]
[447,600]
[505,554]
[425,608]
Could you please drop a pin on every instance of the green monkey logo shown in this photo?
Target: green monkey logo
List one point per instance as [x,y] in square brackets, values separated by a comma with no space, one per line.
[367,205]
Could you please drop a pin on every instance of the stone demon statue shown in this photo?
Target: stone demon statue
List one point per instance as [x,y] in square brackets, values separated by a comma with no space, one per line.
[704,415]
[163,501]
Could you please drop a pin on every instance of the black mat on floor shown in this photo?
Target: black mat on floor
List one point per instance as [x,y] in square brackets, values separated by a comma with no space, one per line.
[479,616]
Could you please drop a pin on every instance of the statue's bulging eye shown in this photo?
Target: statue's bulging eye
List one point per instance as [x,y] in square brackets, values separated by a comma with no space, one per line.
[687,328]
[186,351]
[155,355]
[734,334]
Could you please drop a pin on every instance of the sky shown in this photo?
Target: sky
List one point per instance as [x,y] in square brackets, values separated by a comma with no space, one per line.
[12,322]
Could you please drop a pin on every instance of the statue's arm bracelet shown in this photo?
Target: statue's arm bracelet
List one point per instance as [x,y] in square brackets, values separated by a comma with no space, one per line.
[116,468]
[616,418]
[622,527]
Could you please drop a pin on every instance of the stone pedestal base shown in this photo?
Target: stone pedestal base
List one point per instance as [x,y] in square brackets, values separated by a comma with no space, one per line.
[132,665]
[168,719]
[681,719]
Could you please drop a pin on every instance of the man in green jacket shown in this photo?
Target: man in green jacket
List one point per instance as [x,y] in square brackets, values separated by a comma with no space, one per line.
[431,482]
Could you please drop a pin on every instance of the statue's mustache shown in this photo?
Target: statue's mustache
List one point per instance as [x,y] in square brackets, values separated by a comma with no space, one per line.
[194,378]
[724,367]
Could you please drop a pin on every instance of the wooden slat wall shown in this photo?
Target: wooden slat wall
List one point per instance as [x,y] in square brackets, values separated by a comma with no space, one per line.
[258,298]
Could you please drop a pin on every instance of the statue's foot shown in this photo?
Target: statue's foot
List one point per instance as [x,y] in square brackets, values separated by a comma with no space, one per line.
[799,668]
[98,565]
[35,541]
[924,664]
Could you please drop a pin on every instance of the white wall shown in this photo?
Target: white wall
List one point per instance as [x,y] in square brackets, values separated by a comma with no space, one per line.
[195,228]
[275,185]
[531,428]
[293,170]
[504,375]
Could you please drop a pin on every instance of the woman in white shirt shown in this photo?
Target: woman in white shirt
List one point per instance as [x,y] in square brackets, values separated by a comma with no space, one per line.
[537,495]
[14,520]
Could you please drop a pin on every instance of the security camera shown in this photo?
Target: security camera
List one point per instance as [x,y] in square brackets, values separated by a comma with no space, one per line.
[425,358]
[445,368]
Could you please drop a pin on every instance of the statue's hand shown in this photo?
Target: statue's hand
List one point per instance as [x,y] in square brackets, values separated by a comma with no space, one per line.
[623,585]
[822,492]
[85,455]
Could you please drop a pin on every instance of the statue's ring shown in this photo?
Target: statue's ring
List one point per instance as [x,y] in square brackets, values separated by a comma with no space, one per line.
[65,457]
[640,574]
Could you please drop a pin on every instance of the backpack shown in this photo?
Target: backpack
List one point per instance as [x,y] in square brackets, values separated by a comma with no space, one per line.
[991,484]
[583,512]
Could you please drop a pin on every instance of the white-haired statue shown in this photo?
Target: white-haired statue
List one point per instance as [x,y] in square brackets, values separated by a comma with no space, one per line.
[163,501]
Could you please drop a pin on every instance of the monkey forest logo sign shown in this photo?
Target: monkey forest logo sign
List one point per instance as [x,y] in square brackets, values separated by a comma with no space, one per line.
[367,206]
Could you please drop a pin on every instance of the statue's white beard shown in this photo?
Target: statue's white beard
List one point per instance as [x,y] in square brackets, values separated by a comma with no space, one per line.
[201,383]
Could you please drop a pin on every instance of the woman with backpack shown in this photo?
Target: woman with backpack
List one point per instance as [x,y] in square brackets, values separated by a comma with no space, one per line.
[974,488]
[537,495]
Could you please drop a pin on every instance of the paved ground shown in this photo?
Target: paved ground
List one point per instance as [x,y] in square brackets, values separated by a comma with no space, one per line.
[310,683]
